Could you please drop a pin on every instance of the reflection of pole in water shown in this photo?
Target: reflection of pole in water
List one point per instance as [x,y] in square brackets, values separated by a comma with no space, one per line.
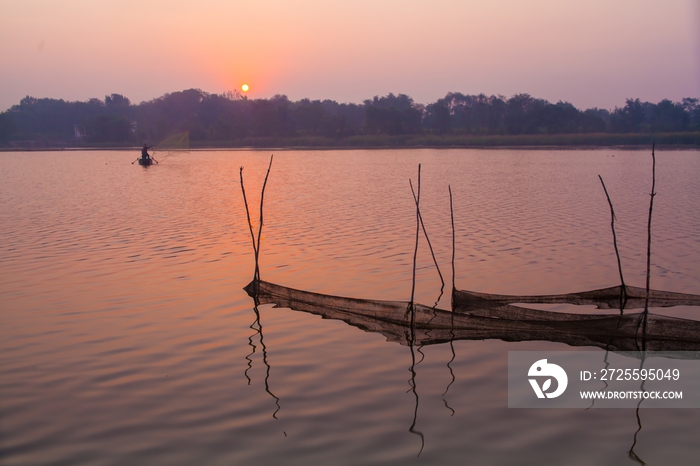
[256,282]
[257,326]
[267,365]
[452,333]
[411,337]
[452,347]
[632,455]
[413,388]
[252,345]
[607,365]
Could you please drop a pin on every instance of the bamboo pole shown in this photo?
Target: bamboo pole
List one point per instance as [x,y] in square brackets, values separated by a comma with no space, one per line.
[452,218]
[623,294]
[256,244]
[415,251]
[250,224]
[260,226]
[430,246]
[651,207]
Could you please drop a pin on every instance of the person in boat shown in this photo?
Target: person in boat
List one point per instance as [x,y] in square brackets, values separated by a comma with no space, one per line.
[144,152]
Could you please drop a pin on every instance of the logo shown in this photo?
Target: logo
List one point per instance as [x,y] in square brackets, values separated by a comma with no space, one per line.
[542,369]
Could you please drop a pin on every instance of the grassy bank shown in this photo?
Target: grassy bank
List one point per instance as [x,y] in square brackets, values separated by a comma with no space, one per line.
[432,140]
[679,140]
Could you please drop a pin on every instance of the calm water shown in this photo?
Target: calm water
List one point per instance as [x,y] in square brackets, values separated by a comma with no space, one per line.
[126,337]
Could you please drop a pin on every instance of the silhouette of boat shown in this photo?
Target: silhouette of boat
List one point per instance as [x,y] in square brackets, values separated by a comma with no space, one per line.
[407,324]
[145,162]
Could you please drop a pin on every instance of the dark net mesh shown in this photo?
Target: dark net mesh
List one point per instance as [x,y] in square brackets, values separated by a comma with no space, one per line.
[605,298]
[488,320]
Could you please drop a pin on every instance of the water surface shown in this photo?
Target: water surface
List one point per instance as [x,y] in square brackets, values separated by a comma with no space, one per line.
[126,336]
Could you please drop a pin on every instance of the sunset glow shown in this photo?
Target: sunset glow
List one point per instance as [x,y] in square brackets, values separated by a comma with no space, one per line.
[592,54]
[396,246]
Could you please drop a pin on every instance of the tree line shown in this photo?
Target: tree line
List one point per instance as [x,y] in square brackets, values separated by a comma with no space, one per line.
[231,118]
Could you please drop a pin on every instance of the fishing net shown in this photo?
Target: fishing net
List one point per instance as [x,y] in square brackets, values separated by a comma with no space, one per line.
[487,320]
[173,145]
[604,298]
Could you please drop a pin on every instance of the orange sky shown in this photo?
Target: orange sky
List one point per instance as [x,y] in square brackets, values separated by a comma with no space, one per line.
[592,53]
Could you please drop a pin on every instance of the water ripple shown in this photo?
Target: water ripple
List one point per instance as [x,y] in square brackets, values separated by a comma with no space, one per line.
[126,337]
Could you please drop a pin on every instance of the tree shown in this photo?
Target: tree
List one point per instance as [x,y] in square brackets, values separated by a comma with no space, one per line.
[231,117]
[7,127]
[438,117]
[266,118]
[108,128]
[308,116]
[669,116]
[594,120]
[630,118]
[692,107]
[116,100]
[559,118]
[393,115]
[524,114]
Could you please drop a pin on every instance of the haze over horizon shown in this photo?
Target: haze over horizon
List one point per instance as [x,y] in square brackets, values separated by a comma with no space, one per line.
[592,54]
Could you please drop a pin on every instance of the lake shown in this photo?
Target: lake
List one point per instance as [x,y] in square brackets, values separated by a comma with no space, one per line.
[126,336]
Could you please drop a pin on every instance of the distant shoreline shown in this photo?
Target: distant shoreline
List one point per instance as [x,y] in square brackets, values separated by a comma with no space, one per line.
[586,141]
[345,148]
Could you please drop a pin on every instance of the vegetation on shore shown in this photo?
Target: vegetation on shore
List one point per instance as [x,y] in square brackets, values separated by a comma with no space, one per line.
[457,120]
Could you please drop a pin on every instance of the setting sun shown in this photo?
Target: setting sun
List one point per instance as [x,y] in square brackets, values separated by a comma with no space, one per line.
[245,88]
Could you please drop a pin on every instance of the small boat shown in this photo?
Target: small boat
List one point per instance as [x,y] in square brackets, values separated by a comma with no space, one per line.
[145,162]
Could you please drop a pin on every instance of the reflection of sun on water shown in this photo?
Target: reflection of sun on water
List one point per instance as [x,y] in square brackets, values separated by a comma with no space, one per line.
[245,88]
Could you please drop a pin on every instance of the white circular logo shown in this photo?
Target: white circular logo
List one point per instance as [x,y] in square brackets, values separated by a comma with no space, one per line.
[542,369]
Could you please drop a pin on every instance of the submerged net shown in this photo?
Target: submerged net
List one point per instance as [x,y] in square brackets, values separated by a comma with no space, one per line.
[172,145]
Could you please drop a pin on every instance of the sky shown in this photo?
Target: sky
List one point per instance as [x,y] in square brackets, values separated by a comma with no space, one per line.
[593,53]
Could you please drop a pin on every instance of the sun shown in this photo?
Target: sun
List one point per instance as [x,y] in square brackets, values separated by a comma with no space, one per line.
[245,88]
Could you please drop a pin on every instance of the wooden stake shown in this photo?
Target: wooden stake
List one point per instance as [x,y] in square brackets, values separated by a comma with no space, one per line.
[651,207]
[452,217]
[260,227]
[256,244]
[415,251]
[623,295]
[247,213]
[427,238]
